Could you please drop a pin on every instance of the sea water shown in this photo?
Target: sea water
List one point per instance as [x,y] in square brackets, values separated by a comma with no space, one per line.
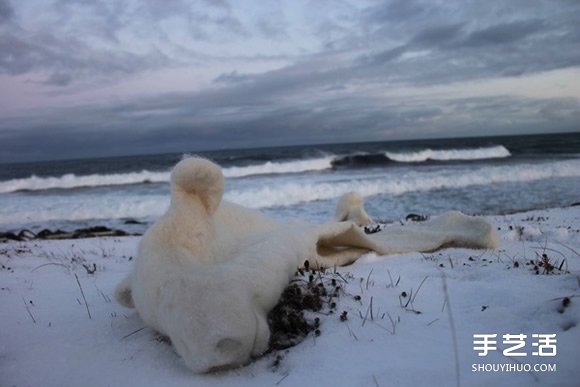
[490,175]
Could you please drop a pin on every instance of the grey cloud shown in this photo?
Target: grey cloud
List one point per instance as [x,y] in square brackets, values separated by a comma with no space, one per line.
[503,33]
[232,78]
[384,56]
[395,11]
[206,20]
[194,121]
[66,59]
[58,79]
[6,10]
[272,27]
[102,20]
[480,25]
[87,48]
[430,38]
[317,96]
[218,4]
[468,33]
[441,35]
[540,40]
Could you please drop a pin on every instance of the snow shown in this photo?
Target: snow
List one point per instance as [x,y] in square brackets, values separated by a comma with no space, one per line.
[48,339]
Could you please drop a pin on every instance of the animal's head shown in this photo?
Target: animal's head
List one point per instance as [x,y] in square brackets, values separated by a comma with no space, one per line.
[213,323]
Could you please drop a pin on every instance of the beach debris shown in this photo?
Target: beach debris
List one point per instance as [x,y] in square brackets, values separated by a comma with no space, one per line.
[310,294]
[133,221]
[416,218]
[47,234]
[543,264]
[374,228]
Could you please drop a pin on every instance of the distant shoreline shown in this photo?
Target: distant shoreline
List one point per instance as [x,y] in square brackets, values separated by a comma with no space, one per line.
[80,233]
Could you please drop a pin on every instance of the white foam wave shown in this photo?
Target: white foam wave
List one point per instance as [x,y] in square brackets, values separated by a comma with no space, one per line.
[35,183]
[498,151]
[52,208]
[270,168]
[295,193]
[118,204]
[68,181]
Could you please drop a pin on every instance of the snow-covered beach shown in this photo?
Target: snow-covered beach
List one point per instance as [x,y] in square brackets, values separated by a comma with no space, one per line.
[414,323]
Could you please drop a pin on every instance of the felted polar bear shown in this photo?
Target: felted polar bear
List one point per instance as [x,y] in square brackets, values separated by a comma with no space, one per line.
[208,272]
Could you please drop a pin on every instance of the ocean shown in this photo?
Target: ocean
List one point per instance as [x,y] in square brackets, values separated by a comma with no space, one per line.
[487,175]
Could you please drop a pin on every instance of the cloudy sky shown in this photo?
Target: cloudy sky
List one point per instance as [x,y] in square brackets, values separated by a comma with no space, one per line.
[110,77]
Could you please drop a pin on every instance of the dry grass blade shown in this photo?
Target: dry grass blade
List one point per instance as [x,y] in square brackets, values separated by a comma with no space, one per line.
[132,333]
[453,331]
[351,332]
[49,264]
[284,377]
[418,289]
[83,294]
[28,310]
[368,279]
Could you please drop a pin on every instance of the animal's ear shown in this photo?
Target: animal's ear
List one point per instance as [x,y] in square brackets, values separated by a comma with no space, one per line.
[200,177]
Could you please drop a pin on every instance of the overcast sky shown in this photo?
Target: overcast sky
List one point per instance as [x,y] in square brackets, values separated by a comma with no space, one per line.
[85,78]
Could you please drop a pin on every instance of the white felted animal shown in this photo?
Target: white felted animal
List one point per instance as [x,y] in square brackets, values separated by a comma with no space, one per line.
[201,276]
[208,272]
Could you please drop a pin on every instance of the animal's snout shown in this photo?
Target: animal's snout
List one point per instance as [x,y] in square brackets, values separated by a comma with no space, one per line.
[229,346]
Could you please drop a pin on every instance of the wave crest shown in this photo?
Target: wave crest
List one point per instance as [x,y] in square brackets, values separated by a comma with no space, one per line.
[290,194]
[69,181]
[271,168]
[493,152]
[109,205]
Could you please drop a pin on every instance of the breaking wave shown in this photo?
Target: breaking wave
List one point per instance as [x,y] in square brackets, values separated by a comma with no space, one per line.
[295,193]
[71,181]
[68,181]
[493,152]
[119,205]
[357,160]
[421,156]
[271,168]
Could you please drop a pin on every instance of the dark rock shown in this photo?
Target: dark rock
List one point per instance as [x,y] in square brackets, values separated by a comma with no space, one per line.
[9,236]
[89,232]
[373,228]
[94,229]
[49,234]
[97,231]
[26,235]
[132,221]
[416,218]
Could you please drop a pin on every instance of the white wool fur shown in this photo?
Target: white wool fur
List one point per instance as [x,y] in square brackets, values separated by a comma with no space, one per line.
[206,276]
[208,272]
[351,207]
